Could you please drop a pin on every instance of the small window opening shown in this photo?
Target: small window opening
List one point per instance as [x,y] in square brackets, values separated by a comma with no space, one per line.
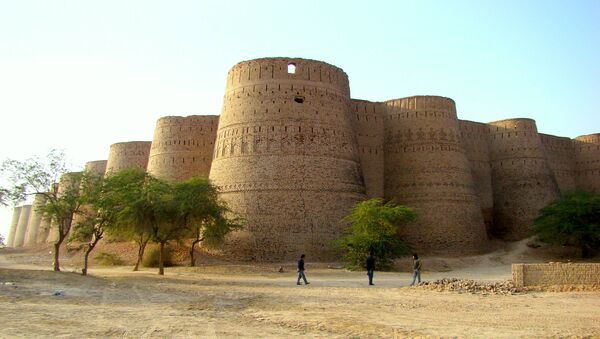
[299,99]
[292,68]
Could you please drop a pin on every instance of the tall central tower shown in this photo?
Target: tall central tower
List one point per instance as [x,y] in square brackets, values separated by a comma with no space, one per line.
[286,157]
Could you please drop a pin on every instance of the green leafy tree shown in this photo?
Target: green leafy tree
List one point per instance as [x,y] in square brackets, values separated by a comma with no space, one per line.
[374,226]
[98,213]
[39,176]
[200,212]
[574,219]
[127,193]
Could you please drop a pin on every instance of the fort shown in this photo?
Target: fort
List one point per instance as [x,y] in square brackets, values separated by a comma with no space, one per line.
[292,152]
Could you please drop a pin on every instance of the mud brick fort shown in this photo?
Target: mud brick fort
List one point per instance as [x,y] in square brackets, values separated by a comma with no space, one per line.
[292,152]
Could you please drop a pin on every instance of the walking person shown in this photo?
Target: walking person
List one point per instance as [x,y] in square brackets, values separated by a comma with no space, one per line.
[416,269]
[301,274]
[370,267]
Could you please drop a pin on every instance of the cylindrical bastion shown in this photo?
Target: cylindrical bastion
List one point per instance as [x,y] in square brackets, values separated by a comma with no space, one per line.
[10,241]
[521,178]
[127,155]
[286,157]
[587,162]
[183,147]
[426,168]
[35,219]
[22,226]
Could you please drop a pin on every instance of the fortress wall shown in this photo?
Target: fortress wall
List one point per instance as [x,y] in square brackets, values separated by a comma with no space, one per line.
[22,226]
[559,155]
[97,167]
[35,219]
[10,241]
[521,178]
[474,136]
[125,155]
[183,147]
[43,231]
[286,157]
[367,118]
[587,162]
[426,168]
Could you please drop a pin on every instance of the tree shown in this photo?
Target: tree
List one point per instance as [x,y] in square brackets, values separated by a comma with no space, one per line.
[37,176]
[97,214]
[126,193]
[202,214]
[573,219]
[374,227]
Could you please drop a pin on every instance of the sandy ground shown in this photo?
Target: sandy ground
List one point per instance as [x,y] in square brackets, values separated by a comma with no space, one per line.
[229,300]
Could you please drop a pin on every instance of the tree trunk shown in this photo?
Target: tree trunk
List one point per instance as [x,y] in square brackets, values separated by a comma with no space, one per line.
[141,248]
[161,265]
[89,250]
[56,255]
[194,243]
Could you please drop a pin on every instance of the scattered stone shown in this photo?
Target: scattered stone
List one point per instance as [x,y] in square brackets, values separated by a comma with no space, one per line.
[470,286]
[58,293]
[280,270]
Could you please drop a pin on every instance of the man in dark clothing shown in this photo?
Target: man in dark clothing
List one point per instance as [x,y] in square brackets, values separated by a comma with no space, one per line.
[416,269]
[301,271]
[370,267]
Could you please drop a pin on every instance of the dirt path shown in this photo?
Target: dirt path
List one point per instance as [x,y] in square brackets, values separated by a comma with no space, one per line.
[247,301]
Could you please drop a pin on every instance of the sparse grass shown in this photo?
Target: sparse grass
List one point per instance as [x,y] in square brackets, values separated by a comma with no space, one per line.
[108,259]
[151,257]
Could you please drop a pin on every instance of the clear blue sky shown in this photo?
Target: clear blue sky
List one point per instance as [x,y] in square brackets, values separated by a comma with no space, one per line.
[81,75]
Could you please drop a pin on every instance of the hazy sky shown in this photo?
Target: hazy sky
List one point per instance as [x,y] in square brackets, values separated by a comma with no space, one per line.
[81,75]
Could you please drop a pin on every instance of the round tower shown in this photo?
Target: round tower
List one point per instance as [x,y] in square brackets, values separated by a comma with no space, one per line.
[22,226]
[587,155]
[125,155]
[475,137]
[10,241]
[521,178]
[97,167]
[426,168]
[367,118]
[35,219]
[286,157]
[183,147]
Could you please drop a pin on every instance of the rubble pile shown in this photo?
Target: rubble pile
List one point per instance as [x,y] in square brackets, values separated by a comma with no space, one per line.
[471,286]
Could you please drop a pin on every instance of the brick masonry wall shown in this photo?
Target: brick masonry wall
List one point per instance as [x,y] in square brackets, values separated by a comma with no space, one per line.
[555,274]
[559,153]
[426,168]
[475,140]
[125,155]
[35,219]
[521,177]
[368,118]
[286,157]
[183,147]
[22,226]
[587,155]
[12,231]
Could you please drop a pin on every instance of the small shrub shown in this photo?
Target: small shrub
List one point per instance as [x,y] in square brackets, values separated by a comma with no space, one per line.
[108,259]
[151,257]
